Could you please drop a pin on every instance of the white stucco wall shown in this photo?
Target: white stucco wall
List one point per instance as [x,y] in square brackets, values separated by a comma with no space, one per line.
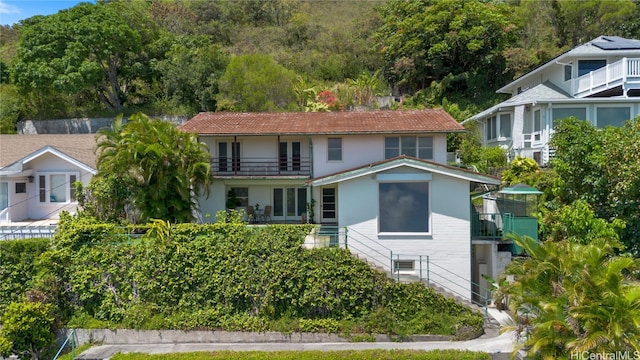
[47,164]
[358,150]
[448,246]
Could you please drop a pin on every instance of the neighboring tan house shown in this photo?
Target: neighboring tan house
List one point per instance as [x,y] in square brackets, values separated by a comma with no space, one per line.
[380,177]
[37,173]
[598,81]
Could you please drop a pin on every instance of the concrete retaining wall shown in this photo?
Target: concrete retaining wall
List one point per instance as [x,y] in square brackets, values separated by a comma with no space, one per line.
[129,337]
[78,126]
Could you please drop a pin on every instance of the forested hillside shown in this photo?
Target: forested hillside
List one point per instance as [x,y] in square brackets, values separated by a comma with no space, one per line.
[186,56]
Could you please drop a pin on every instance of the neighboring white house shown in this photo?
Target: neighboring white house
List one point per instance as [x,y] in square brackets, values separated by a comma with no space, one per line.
[381,175]
[37,173]
[598,81]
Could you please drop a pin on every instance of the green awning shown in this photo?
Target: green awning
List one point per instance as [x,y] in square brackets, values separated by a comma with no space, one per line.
[520,189]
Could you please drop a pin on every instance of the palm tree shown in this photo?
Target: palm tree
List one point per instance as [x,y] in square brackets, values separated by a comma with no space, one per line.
[366,87]
[167,168]
[570,297]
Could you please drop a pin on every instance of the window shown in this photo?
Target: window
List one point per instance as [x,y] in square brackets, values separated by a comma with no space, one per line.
[290,202]
[242,196]
[57,187]
[563,113]
[425,147]
[505,125]
[289,163]
[4,195]
[404,207]
[391,147]
[415,146]
[334,147]
[587,66]
[21,188]
[612,116]
[567,72]
[403,265]
[492,127]
[224,148]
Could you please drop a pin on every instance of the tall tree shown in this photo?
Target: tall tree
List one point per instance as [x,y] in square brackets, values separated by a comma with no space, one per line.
[601,167]
[256,83]
[423,41]
[190,73]
[166,168]
[98,48]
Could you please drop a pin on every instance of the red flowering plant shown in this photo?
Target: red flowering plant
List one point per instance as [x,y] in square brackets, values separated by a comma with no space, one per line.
[328,98]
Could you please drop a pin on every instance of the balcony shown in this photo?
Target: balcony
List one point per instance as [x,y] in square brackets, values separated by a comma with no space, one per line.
[262,167]
[494,226]
[624,73]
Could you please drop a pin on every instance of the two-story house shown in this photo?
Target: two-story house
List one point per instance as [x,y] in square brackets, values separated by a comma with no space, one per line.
[381,176]
[598,81]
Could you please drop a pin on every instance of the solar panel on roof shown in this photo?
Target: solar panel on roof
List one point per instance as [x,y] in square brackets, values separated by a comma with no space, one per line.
[617,43]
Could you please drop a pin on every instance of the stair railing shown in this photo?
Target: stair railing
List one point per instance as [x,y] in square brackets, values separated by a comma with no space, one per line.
[70,338]
[429,272]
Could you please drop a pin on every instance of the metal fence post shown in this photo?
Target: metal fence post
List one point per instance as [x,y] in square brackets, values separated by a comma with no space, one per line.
[346,237]
[428,281]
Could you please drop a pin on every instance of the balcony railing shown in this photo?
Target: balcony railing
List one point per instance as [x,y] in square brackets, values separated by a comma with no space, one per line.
[485,226]
[494,226]
[245,166]
[625,73]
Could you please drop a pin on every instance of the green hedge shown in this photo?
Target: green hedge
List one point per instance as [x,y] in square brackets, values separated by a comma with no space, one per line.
[314,355]
[18,268]
[228,276]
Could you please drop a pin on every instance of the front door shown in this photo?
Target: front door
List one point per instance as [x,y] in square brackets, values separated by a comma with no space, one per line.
[328,205]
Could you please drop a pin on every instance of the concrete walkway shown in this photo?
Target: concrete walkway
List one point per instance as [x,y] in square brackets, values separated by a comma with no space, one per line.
[490,343]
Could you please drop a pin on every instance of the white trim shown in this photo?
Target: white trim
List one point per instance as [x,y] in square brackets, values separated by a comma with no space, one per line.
[400,162]
[403,177]
[63,156]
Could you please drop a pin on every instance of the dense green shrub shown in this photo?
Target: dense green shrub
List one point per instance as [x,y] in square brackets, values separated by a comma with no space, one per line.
[27,330]
[17,268]
[229,276]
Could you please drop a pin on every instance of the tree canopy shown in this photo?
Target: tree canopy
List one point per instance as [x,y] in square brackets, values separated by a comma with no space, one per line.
[423,41]
[92,49]
[602,168]
[168,57]
[255,83]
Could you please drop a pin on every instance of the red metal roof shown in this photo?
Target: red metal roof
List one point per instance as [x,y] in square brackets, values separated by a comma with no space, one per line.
[343,122]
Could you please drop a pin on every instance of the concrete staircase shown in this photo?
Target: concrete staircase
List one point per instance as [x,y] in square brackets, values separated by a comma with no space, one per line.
[490,321]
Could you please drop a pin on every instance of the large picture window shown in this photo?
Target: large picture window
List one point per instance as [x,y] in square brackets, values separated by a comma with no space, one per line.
[57,187]
[563,113]
[612,116]
[415,146]
[404,207]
